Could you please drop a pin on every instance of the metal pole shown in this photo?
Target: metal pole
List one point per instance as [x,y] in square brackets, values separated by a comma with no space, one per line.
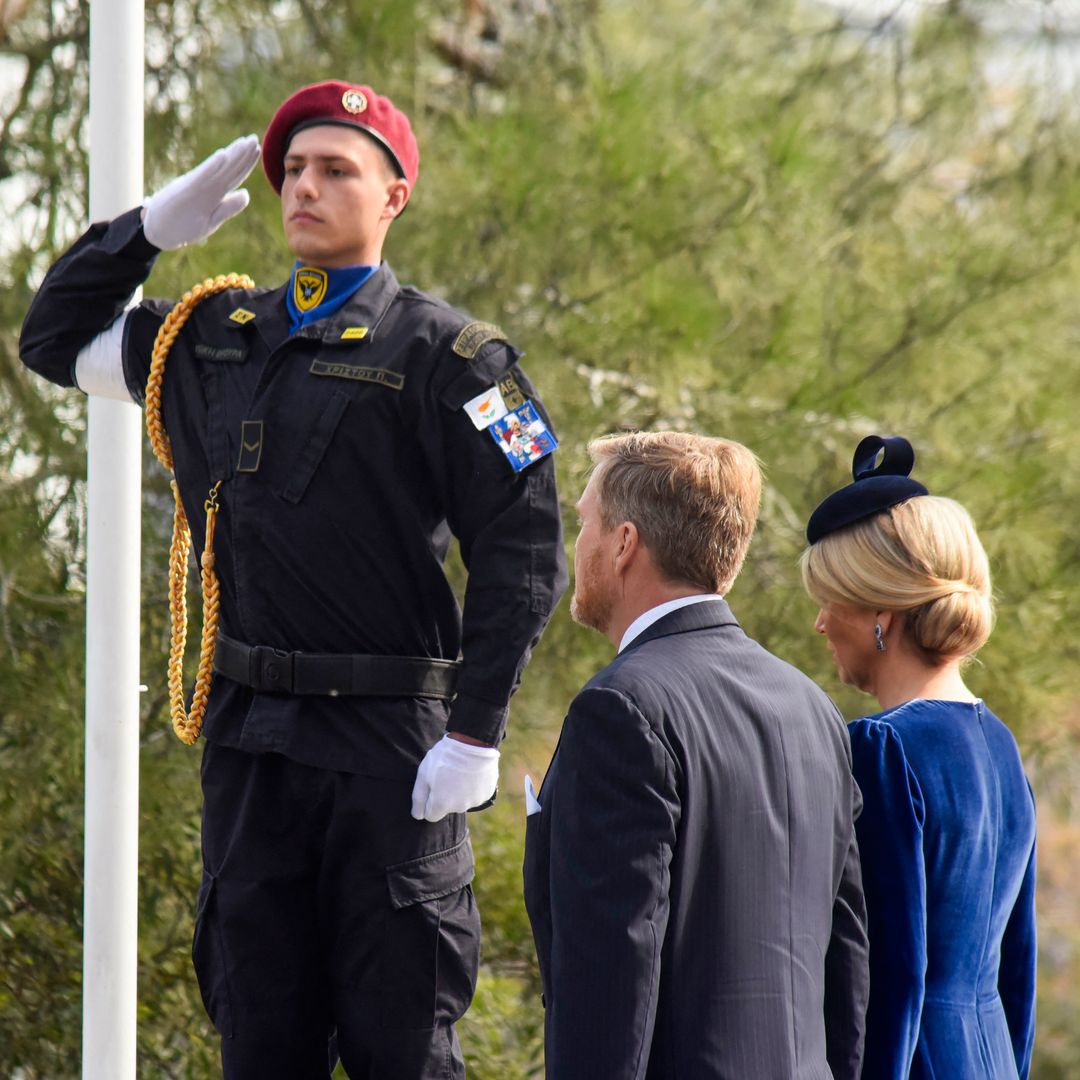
[114,486]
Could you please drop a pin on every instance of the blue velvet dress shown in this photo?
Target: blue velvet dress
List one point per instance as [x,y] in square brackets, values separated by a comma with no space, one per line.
[947,838]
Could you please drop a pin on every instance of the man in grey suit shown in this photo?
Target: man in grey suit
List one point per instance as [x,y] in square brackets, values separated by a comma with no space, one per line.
[691,872]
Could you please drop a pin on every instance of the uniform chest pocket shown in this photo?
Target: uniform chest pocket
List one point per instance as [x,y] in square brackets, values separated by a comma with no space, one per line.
[313,447]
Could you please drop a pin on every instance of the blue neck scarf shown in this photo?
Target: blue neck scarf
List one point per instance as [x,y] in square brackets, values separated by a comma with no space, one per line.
[315,293]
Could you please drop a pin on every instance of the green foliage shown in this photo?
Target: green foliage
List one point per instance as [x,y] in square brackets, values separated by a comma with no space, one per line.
[503,1032]
[750,220]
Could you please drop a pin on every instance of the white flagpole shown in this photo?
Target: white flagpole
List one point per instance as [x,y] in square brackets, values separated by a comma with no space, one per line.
[114,486]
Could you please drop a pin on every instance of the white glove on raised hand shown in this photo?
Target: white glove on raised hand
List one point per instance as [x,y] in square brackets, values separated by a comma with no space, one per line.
[454,777]
[192,206]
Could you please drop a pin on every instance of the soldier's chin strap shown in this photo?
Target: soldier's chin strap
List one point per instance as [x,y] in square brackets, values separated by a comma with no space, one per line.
[186,725]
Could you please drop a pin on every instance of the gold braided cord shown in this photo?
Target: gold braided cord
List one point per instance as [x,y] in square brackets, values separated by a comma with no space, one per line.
[187,726]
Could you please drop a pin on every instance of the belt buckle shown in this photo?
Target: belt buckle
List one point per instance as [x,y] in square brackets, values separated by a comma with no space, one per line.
[273,670]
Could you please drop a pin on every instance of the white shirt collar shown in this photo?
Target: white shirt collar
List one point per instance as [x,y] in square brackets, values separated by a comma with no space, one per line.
[647,618]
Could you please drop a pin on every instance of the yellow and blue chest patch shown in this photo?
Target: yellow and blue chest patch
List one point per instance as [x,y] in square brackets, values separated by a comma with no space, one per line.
[309,287]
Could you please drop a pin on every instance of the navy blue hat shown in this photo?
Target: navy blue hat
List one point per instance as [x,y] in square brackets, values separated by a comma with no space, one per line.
[877,486]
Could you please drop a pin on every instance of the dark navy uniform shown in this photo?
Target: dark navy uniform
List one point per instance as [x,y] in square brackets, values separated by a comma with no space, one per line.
[347,462]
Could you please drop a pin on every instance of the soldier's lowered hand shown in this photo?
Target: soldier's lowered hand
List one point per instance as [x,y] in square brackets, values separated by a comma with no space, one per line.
[454,777]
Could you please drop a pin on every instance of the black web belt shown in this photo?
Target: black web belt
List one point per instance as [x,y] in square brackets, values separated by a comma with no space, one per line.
[275,671]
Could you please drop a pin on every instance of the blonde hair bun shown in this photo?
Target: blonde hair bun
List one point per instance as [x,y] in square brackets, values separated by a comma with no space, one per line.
[922,558]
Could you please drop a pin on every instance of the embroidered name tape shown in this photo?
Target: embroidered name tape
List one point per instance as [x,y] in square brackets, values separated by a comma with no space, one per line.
[212,352]
[362,374]
[486,408]
[523,436]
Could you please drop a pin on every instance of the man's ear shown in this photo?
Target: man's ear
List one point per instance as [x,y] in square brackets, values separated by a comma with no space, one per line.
[626,545]
[397,195]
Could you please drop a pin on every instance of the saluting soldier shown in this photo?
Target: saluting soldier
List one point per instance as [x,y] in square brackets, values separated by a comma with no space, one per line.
[349,425]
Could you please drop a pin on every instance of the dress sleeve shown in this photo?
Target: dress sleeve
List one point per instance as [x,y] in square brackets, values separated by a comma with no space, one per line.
[1016,975]
[615,813]
[890,835]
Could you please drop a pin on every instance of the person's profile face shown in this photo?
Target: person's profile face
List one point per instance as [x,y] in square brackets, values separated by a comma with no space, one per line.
[593,597]
[849,632]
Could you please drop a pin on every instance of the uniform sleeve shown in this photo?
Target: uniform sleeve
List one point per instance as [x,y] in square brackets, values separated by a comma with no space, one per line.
[615,813]
[889,831]
[1016,977]
[83,293]
[510,532]
[847,966]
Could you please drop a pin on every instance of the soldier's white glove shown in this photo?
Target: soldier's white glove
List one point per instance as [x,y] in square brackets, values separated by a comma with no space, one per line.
[454,777]
[192,206]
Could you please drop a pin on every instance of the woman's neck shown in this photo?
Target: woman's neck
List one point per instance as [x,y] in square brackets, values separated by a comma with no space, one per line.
[906,677]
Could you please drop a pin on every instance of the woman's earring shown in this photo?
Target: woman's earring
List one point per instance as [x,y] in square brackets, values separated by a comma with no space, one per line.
[879,638]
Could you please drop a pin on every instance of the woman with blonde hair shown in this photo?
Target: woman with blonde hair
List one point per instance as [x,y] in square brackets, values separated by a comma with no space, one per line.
[947,832]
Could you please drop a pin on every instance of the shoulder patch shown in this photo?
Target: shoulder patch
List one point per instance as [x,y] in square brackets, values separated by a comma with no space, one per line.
[523,436]
[474,336]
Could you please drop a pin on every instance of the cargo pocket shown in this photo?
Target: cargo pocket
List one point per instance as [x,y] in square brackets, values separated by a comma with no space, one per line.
[314,449]
[431,950]
[208,956]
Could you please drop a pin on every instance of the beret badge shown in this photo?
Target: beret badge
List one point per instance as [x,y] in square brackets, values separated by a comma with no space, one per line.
[353,101]
[881,469]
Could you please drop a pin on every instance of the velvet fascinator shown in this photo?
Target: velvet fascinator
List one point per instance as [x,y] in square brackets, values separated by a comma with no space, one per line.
[881,468]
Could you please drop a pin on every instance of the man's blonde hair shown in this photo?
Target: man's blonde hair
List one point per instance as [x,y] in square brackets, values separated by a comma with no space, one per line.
[922,558]
[693,499]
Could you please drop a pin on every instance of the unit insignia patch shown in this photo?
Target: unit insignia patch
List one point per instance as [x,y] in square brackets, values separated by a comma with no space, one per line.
[474,336]
[511,392]
[523,436]
[309,287]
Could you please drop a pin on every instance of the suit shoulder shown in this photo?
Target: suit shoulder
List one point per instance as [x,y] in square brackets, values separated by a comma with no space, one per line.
[723,653]
[636,679]
[620,675]
[604,715]
[793,680]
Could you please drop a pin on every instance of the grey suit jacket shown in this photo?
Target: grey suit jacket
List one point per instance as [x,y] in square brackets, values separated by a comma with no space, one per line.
[693,878]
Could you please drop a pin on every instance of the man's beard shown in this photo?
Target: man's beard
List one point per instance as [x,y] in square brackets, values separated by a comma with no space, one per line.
[593,600]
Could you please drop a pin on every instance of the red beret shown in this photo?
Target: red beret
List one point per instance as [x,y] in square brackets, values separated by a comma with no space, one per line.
[340,103]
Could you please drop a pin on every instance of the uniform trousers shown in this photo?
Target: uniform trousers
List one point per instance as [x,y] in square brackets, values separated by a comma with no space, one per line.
[326,909]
